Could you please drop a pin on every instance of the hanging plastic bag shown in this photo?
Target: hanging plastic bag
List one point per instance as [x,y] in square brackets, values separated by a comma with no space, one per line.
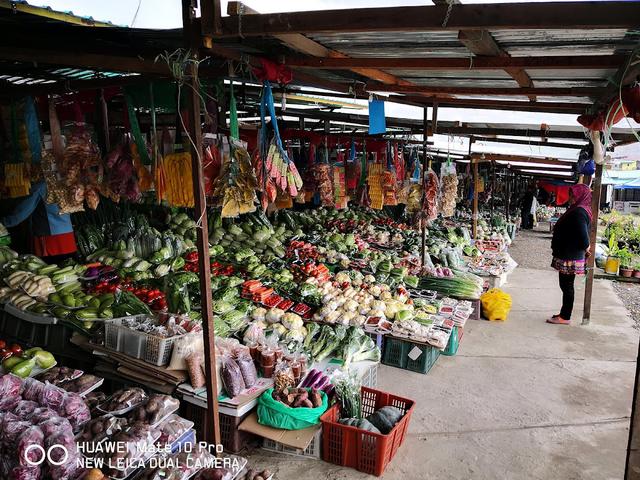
[496,304]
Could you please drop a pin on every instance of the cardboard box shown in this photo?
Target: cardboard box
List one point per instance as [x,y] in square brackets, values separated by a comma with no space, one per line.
[299,439]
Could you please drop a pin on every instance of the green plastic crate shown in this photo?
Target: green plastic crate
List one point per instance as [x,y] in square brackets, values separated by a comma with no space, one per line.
[397,354]
[454,342]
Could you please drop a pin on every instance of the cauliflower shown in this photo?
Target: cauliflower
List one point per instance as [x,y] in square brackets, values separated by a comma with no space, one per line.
[292,321]
[386,295]
[358,320]
[342,277]
[274,315]
[375,290]
[369,279]
[351,306]
[259,314]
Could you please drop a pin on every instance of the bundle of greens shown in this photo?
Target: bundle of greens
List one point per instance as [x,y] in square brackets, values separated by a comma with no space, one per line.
[347,390]
[461,285]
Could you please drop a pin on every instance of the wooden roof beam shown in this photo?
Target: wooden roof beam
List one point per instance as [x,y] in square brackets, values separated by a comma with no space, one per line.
[481,42]
[501,157]
[516,16]
[490,91]
[479,62]
[534,143]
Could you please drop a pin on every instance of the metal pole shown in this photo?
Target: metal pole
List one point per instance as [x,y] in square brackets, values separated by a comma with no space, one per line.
[507,200]
[425,136]
[212,428]
[493,186]
[595,208]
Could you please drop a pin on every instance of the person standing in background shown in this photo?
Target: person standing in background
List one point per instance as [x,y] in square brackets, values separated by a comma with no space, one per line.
[570,247]
[525,209]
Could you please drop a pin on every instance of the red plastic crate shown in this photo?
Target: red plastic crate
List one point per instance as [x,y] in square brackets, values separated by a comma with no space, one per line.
[365,451]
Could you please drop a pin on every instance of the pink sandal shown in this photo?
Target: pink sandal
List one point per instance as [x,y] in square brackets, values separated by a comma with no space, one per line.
[558,320]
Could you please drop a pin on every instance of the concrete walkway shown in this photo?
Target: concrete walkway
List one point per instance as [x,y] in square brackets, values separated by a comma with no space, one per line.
[522,399]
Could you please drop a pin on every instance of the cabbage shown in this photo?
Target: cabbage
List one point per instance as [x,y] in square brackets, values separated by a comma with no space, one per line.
[403,315]
[259,314]
[221,306]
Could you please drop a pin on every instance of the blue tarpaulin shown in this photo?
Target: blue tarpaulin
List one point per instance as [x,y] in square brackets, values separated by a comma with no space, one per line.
[635,183]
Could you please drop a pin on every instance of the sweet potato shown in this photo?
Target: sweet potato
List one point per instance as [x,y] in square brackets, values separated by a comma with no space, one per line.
[307,403]
[301,398]
[315,398]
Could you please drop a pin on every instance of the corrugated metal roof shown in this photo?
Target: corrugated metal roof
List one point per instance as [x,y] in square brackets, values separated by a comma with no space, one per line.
[394,44]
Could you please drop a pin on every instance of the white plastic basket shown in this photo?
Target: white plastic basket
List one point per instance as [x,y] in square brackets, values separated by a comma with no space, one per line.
[150,348]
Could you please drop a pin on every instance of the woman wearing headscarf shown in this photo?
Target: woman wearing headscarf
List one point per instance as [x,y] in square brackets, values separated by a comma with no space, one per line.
[570,246]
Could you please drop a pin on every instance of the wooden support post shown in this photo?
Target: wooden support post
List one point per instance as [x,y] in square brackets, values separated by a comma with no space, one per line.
[425,166]
[212,428]
[474,214]
[595,208]
[105,121]
[632,468]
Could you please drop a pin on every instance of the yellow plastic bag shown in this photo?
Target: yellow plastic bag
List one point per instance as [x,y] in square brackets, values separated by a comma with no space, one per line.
[496,304]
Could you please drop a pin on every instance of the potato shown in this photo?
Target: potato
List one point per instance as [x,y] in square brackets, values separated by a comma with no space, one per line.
[97,428]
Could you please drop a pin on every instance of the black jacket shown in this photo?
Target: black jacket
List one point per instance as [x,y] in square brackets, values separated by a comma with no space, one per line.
[571,236]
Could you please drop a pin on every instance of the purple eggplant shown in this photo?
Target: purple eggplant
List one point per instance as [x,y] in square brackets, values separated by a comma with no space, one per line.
[311,377]
[329,389]
[321,382]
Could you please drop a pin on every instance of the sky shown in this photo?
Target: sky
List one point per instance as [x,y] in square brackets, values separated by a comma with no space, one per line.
[161,14]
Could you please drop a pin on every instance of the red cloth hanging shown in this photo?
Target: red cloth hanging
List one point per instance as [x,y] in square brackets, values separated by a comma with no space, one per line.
[273,72]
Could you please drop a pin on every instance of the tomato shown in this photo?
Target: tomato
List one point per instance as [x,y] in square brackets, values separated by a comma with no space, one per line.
[3,344]
[16,349]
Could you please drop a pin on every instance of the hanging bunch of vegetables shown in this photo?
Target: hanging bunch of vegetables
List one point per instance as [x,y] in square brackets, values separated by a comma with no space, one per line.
[122,179]
[279,168]
[235,188]
[449,189]
[429,211]
[179,181]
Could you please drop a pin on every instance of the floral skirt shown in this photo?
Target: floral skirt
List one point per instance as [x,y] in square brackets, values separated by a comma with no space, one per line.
[569,267]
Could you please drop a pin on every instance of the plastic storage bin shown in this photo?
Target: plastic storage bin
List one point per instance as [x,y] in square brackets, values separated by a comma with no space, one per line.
[232,439]
[312,451]
[408,355]
[150,348]
[454,342]
[365,451]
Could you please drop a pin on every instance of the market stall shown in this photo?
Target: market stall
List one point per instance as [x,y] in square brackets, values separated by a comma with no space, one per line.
[241,285]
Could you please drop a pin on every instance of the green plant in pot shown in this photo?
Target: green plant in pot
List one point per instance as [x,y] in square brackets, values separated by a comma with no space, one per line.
[636,267]
[612,264]
[626,262]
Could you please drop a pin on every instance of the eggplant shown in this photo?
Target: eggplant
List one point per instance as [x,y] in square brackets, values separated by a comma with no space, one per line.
[311,377]
[329,389]
[321,382]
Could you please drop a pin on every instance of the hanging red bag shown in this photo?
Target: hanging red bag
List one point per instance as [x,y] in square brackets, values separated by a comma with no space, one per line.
[211,167]
[631,100]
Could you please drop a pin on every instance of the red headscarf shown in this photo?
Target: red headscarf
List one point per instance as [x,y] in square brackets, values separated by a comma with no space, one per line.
[581,199]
